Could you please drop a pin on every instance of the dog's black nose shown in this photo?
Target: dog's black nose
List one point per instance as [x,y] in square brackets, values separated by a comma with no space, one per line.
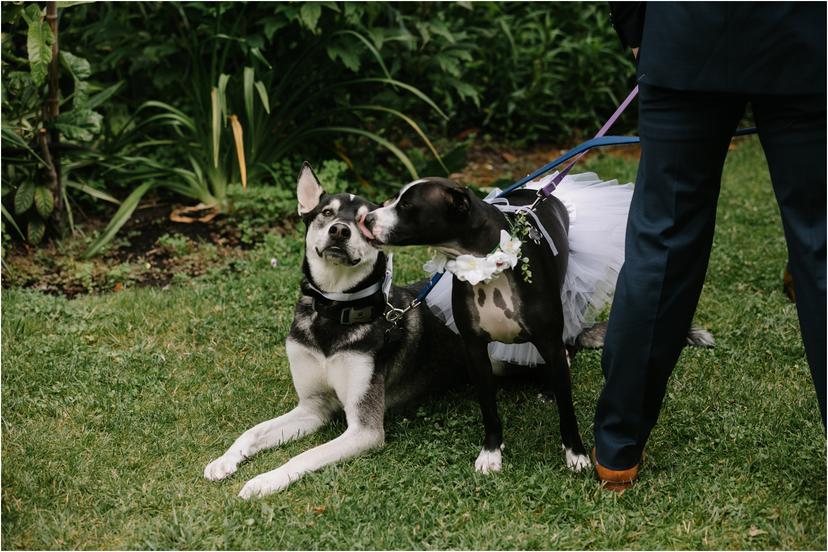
[339,231]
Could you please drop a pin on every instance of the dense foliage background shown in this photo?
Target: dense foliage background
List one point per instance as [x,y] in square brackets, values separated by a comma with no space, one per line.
[196,98]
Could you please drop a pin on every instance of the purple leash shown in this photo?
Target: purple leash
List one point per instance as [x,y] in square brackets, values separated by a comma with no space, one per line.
[547,190]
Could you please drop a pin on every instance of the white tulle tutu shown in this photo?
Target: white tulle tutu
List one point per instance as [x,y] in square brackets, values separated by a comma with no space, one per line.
[597,221]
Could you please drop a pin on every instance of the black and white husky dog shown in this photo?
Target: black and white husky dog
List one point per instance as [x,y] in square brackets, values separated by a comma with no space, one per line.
[343,353]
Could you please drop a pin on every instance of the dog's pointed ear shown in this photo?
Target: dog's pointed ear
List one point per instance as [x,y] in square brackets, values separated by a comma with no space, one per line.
[308,190]
[459,203]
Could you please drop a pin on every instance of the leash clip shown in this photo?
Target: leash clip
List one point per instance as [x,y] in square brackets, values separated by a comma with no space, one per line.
[394,314]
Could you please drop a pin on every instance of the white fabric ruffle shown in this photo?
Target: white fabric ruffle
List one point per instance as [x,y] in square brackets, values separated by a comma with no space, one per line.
[598,218]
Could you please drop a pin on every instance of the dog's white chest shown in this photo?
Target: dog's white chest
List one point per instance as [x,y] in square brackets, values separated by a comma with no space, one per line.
[498,309]
[345,374]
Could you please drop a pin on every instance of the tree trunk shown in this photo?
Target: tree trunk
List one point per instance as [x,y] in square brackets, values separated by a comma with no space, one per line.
[52,111]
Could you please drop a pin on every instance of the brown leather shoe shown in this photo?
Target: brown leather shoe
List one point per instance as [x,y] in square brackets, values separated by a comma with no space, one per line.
[614,480]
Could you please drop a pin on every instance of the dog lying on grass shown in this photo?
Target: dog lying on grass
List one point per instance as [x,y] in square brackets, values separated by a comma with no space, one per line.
[343,353]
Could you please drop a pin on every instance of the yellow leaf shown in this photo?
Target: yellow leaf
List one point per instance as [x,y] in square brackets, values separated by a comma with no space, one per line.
[239,139]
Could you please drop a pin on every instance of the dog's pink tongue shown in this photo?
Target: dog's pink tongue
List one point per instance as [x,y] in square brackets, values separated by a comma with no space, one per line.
[364,229]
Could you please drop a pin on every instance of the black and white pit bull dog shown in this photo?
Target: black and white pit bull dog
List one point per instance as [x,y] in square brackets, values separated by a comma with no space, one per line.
[509,308]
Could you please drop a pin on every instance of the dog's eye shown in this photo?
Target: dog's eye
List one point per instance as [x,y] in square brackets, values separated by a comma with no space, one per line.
[403,205]
[327,212]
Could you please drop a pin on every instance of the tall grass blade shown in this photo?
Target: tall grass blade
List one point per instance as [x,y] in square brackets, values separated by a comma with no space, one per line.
[11,221]
[371,136]
[216,123]
[222,94]
[248,78]
[414,90]
[119,219]
[94,192]
[101,97]
[260,88]
[11,136]
[248,94]
[410,123]
[70,217]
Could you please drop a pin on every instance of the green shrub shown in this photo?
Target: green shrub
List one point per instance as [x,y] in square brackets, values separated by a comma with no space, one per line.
[526,71]
[36,172]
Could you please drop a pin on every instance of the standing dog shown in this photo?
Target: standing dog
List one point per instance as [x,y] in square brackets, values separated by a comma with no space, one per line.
[342,355]
[509,308]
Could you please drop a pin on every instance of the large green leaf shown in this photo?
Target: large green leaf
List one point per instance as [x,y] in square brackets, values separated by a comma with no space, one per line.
[35,230]
[44,201]
[77,66]
[348,56]
[371,48]
[24,197]
[309,15]
[79,124]
[38,43]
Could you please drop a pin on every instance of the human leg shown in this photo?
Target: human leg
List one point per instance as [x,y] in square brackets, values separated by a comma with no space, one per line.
[684,140]
[792,131]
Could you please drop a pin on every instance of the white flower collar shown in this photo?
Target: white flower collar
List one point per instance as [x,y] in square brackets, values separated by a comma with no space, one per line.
[474,270]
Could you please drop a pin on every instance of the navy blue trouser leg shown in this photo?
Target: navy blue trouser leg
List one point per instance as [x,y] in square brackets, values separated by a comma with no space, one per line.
[792,131]
[684,141]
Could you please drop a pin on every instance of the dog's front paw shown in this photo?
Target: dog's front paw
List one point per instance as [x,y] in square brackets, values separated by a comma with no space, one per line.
[575,461]
[488,461]
[221,467]
[265,484]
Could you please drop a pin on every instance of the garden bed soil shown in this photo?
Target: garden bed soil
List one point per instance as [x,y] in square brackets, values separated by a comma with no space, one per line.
[152,250]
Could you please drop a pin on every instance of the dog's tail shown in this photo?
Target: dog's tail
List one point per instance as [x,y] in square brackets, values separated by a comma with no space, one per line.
[593,337]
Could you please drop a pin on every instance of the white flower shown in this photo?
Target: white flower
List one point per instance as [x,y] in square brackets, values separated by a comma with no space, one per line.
[437,263]
[508,244]
[503,260]
[472,269]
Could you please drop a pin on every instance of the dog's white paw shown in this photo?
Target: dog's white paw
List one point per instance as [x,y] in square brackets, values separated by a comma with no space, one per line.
[265,484]
[576,462]
[221,467]
[488,461]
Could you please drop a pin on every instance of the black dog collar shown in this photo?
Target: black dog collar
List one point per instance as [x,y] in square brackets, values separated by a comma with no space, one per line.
[357,307]
[361,311]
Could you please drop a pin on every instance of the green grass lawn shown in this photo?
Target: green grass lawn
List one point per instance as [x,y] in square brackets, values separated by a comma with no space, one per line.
[113,404]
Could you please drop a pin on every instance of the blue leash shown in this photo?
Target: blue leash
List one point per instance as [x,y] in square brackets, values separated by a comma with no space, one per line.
[586,146]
